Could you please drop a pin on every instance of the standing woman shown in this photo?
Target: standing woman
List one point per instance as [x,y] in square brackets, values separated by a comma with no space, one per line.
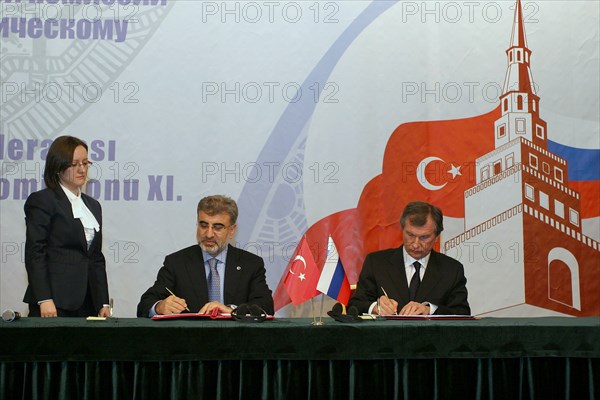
[66,269]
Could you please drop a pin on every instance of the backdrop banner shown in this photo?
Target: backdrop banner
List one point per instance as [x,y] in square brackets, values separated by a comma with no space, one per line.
[320,118]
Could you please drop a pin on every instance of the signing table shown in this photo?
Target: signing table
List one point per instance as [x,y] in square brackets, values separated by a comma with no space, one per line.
[289,358]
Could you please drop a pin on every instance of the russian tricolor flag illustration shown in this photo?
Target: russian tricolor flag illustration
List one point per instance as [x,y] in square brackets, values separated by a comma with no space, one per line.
[584,175]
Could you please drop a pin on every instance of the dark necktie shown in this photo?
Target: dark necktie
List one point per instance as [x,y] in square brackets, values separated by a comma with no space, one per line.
[415,282]
[214,283]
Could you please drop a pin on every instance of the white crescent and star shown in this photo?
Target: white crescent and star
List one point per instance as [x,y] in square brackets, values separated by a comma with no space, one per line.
[455,171]
[301,276]
[422,178]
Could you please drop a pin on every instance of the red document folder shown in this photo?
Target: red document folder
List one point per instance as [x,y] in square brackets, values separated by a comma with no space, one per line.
[431,317]
[213,315]
[191,316]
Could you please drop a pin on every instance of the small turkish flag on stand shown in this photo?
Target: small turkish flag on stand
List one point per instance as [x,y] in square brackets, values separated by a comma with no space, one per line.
[302,275]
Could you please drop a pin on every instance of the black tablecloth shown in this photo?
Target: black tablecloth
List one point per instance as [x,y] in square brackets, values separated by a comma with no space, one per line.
[290,358]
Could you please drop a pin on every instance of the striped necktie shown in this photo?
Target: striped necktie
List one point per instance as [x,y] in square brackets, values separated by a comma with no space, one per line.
[214,282]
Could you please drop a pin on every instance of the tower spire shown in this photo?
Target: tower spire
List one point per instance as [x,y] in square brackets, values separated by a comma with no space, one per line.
[518,38]
[519,101]
[518,75]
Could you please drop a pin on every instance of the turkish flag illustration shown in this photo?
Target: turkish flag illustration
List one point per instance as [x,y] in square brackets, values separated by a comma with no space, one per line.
[432,161]
[302,275]
[514,181]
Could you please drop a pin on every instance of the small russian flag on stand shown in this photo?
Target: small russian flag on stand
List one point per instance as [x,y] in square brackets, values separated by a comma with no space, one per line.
[333,281]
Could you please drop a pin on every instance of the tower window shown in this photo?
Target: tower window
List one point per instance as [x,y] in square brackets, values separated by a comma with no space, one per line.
[529,192]
[485,173]
[518,55]
[544,200]
[558,174]
[510,160]
[510,56]
[497,167]
[505,105]
[546,167]
[520,125]
[559,209]
[501,131]
[539,131]
[573,217]
[534,104]
[533,161]
[519,102]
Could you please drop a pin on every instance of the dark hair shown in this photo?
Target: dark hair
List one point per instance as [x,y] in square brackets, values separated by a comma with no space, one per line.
[218,204]
[59,158]
[417,212]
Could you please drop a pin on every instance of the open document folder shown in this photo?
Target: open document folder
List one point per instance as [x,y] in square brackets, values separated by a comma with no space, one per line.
[418,317]
[191,316]
[212,315]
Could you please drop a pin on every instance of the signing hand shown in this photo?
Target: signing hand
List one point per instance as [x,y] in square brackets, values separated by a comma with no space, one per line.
[388,306]
[414,308]
[171,305]
[209,308]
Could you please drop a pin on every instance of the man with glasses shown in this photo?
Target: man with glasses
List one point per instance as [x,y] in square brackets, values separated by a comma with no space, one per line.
[413,279]
[212,275]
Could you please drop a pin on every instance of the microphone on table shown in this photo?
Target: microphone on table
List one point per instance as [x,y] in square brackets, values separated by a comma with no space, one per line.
[10,315]
[338,313]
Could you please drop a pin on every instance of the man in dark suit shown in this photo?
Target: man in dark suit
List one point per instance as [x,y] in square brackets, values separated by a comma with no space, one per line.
[413,279]
[211,276]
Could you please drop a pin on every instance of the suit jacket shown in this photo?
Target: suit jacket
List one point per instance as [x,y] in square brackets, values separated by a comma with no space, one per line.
[183,272]
[444,282]
[59,264]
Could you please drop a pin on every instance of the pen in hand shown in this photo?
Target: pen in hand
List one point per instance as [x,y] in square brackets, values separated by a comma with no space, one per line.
[386,295]
[173,294]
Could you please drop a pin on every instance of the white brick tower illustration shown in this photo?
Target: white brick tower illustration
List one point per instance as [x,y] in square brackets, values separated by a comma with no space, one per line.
[523,233]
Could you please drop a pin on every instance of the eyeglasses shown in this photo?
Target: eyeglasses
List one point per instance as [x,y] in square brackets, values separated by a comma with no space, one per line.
[84,164]
[217,228]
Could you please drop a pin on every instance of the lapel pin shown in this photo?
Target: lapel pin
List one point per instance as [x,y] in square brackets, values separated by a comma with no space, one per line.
[239,268]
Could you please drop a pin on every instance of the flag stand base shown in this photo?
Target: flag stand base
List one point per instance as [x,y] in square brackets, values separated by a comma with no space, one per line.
[315,321]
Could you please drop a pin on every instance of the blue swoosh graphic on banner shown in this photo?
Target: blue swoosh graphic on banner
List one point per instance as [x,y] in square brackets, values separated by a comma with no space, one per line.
[584,164]
[291,124]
